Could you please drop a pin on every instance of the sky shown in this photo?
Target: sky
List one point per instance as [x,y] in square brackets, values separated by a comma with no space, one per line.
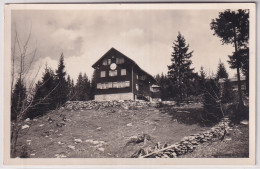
[145,36]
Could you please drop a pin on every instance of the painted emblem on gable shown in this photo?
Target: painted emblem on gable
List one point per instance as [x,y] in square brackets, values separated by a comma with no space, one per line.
[113,66]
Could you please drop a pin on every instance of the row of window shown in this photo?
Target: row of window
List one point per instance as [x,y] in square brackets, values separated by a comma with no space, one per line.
[121,84]
[110,85]
[112,73]
[118,61]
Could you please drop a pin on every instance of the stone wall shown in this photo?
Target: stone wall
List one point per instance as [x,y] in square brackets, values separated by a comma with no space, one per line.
[188,144]
[116,96]
[125,104]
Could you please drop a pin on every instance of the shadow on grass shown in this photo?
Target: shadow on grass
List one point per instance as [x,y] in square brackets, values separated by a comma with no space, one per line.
[193,115]
[237,114]
[189,116]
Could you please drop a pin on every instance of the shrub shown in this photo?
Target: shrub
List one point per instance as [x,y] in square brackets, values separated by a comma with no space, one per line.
[211,103]
[228,94]
[237,114]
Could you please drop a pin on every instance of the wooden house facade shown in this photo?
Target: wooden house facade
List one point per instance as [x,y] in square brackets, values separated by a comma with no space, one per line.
[120,78]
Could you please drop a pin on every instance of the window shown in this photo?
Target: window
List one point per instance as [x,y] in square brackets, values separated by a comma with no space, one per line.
[103,86]
[104,62]
[119,84]
[110,85]
[107,85]
[122,84]
[99,86]
[115,85]
[120,60]
[103,74]
[137,87]
[123,72]
[127,83]
[108,61]
[113,73]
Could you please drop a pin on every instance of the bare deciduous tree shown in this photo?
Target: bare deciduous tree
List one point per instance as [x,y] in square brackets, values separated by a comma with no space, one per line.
[22,61]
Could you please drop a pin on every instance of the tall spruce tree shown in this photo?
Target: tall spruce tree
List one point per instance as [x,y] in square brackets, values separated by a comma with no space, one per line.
[86,87]
[62,88]
[73,91]
[70,88]
[211,103]
[164,84]
[18,98]
[194,84]
[93,85]
[48,88]
[233,28]
[79,88]
[202,73]
[221,72]
[245,65]
[227,94]
[179,71]
[45,95]
[69,81]
[202,79]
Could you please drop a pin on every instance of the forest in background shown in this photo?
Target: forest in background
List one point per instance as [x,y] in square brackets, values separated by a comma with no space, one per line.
[180,84]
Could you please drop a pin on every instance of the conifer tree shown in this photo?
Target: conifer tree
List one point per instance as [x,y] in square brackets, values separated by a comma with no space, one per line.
[70,88]
[164,85]
[18,98]
[245,65]
[228,94]
[179,71]
[69,81]
[73,91]
[93,85]
[202,73]
[221,72]
[79,88]
[86,87]
[194,84]
[62,88]
[233,28]
[45,95]
[211,103]
[202,79]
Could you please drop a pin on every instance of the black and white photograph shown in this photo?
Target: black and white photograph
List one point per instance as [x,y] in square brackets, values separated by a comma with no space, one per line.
[129,83]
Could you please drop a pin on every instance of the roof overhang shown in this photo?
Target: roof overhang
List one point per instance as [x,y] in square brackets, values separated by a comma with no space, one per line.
[133,62]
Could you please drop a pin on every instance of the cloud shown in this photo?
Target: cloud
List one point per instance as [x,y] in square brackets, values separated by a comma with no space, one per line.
[132,33]
[75,65]
[67,40]
[36,72]
[144,36]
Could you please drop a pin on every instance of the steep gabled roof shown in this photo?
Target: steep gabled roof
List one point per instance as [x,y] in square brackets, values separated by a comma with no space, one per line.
[109,51]
[133,62]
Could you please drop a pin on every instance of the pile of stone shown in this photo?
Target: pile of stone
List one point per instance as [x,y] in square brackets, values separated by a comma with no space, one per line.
[125,104]
[188,144]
